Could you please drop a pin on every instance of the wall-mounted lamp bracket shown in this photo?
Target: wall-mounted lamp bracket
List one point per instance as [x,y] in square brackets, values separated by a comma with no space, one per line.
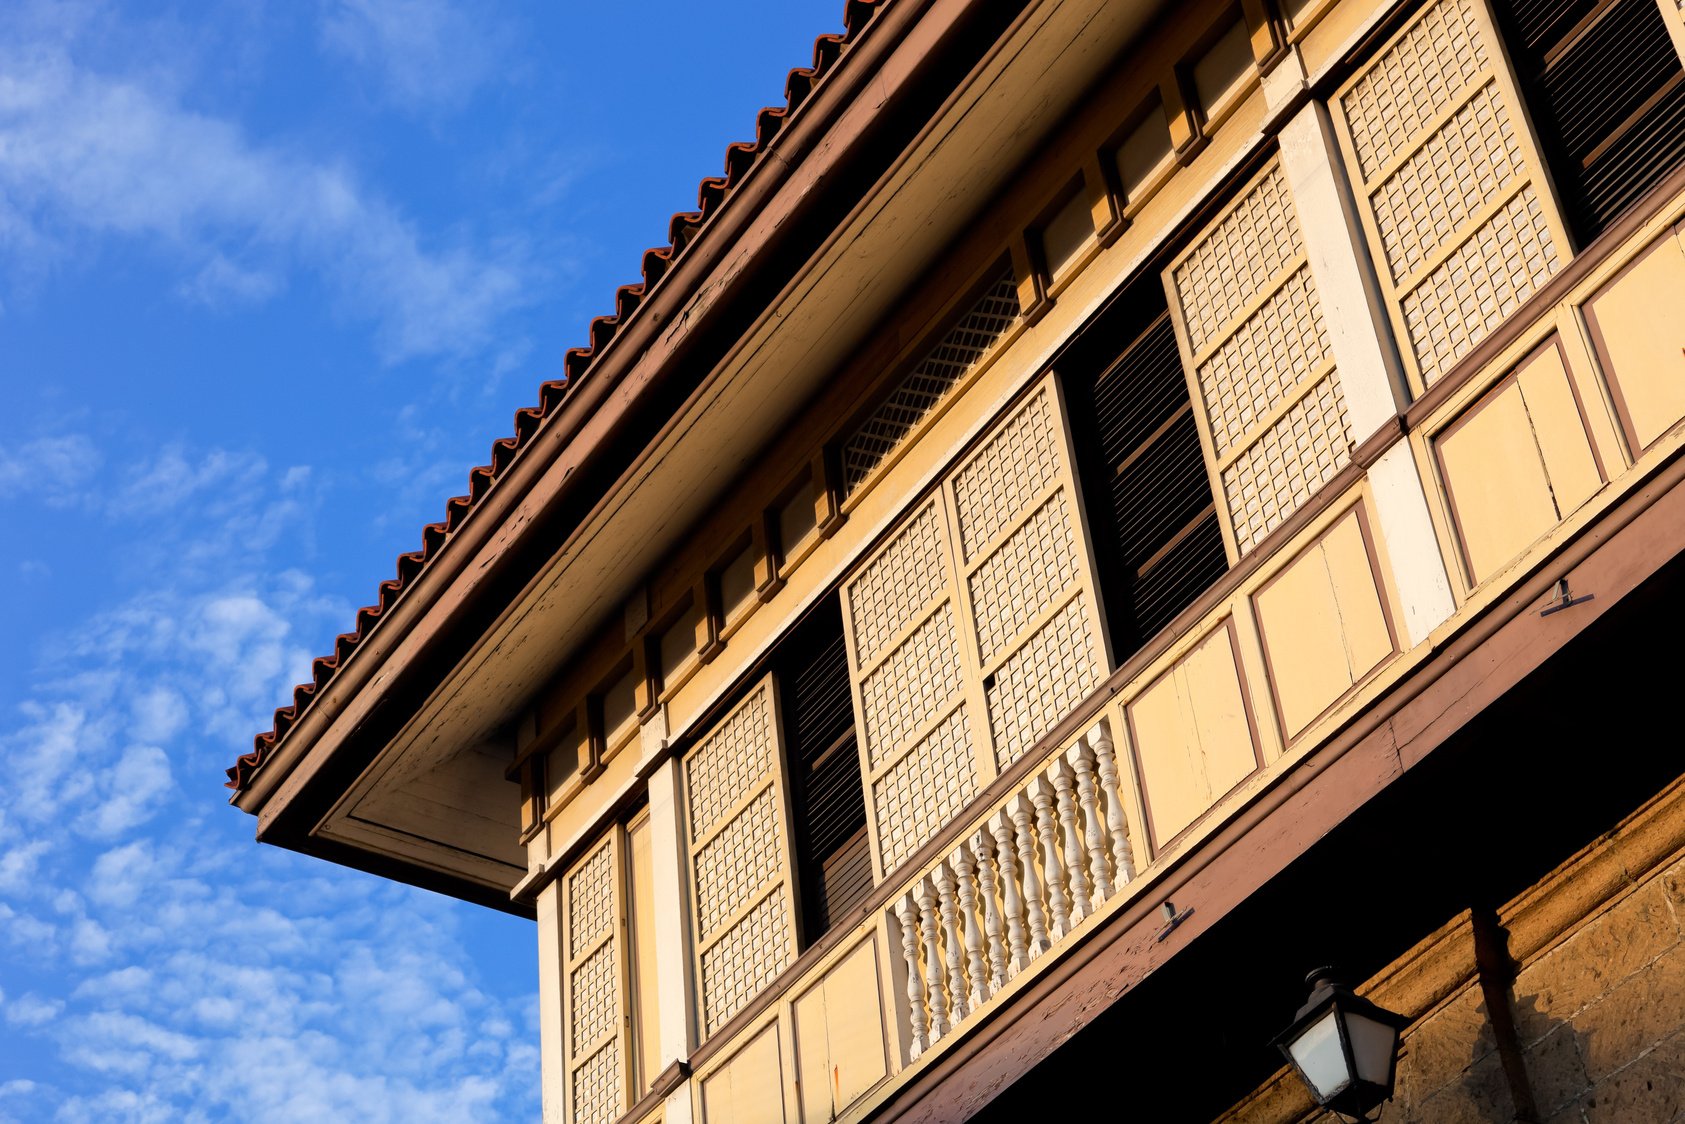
[1172,918]
[1564,599]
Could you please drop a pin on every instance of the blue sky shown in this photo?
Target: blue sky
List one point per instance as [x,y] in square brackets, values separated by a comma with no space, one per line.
[273,275]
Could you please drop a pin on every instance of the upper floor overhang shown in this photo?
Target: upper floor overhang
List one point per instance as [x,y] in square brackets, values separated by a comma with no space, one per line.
[393,760]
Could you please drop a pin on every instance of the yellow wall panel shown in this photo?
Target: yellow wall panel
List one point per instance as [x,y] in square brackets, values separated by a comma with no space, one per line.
[1639,332]
[1357,591]
[1496,479]
[1324,624]
[1299,618]
[1561,431]
[1192,735]
[749,1089]
[1517,463]
[840,1045]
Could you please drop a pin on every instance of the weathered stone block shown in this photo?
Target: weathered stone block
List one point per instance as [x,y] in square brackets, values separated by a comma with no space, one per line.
[1479,1096]
[1443,1046]
[1593,961]
[1649,1091]
[1555,1070]
[1641,1012]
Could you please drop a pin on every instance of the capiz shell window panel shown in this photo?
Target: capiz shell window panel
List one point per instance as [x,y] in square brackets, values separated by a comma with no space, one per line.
[1251,330]
[1450,185]
[593,996]
[740,851]
[972,629]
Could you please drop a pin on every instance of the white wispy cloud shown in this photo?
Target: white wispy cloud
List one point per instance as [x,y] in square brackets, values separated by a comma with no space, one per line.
[86,153]
[170,967]
[425,53]
[53,468]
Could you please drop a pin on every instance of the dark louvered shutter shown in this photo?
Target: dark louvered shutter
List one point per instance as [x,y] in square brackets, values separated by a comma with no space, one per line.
[1607,95]
[830,806]
[1149,499]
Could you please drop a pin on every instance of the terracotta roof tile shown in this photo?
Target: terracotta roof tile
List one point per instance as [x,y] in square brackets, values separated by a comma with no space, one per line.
[740,158]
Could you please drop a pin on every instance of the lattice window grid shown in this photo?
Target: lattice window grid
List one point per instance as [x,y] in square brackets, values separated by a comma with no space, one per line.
[1040,682]
[1002,476]
[891,590]
[1025,575]
[925,789]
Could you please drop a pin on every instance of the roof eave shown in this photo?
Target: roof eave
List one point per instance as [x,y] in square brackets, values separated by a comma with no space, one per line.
[628,373]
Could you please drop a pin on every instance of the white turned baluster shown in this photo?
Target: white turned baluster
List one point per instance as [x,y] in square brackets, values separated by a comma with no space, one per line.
[976,971]
[933,971]
[1053,865]
[1016,936]
[983,846]
[1081,759]
[907,913]
[1039,940]
[1076,859]
[949,904]
[1105,757]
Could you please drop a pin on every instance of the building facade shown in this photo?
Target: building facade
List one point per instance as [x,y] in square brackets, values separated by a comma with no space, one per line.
[1105,507]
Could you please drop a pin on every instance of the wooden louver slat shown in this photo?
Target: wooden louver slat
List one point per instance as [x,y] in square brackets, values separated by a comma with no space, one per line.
[830,813]
[1150,499]
[1608,96]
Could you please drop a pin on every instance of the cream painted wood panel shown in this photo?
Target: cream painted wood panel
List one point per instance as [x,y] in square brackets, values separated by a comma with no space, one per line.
[841,1049]
[1255,344]
[593,954]
[1324,623]
[748,1089]
[1637,323]
[552,1006]
[1560,427]
[1452,192]
[1192,735]
[1516,463]
[740,850]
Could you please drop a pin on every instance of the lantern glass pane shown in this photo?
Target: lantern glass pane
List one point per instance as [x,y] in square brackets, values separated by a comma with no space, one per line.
[1318,1055]
[1373,1046]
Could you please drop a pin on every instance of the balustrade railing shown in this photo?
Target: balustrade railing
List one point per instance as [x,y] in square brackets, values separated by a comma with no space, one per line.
[1048,855]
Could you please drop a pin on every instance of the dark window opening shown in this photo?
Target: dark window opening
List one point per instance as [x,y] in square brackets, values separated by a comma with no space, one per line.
[1157,541]
[828,803]
[1606,91]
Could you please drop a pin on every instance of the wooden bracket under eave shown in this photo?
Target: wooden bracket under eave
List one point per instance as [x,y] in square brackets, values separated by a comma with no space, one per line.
[710,620]
[646,681]
[767,579]
[1033,301]
[1105,200]
[1268,38]
[1181,115]
[828,491]
[595,743]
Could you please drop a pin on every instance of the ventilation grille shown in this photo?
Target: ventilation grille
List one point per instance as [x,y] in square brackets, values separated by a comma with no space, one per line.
[965,345]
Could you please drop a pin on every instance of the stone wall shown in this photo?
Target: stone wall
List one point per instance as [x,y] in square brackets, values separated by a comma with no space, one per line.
[1600,1017]
[1590,964]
